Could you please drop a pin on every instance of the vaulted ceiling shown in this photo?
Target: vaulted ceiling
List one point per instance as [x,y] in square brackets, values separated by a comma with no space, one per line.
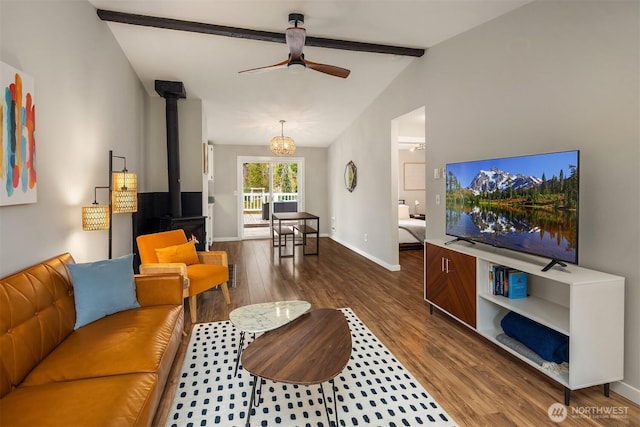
[246,108]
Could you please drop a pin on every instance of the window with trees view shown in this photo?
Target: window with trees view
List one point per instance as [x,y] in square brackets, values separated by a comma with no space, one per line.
[285,177]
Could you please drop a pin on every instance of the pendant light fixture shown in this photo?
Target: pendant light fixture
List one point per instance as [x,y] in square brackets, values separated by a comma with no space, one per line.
[282,145]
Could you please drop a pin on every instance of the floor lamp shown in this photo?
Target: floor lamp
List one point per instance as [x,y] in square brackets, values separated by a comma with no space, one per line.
[123,198]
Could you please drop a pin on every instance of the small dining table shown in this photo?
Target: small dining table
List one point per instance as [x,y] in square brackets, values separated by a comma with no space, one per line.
[302,228]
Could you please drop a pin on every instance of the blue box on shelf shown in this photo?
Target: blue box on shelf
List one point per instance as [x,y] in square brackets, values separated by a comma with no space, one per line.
[517,284]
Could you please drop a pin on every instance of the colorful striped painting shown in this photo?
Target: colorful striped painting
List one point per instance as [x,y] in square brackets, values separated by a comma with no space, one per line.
[17,141]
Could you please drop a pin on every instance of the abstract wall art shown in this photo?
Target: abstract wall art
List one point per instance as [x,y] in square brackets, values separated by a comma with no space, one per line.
[17,140]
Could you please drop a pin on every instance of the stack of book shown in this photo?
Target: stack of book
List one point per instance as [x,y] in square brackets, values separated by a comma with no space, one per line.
[507,282]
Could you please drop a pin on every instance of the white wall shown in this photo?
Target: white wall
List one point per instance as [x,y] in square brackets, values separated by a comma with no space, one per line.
[225,210]
[546,77]
[88,100]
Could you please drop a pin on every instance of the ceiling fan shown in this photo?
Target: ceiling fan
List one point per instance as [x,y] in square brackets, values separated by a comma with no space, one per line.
[295,38]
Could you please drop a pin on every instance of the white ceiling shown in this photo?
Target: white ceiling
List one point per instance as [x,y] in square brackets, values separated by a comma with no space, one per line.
[411,129]
[246,108]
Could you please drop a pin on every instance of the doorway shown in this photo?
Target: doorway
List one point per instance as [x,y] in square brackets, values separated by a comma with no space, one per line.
[410,143]
[265,185]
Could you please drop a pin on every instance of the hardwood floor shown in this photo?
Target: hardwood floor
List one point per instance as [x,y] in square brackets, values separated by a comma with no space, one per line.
[477,383]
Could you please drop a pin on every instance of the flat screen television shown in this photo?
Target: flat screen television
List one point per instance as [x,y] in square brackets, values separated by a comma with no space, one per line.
[525,203]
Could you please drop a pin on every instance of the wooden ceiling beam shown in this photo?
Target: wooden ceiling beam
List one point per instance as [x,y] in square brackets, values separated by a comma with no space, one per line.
[244,33]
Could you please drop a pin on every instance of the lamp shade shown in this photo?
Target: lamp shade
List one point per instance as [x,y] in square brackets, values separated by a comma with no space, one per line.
[95,217]
[282,146]
[124,197]
[125,180]
[124,201]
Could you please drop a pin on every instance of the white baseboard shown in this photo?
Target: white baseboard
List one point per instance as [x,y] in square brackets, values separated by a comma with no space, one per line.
[370,257]
[226,239]
[626,390]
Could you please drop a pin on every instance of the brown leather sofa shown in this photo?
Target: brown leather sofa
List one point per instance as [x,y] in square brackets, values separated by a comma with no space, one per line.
[109,372]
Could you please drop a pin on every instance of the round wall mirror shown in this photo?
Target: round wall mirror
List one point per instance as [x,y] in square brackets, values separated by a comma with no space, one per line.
[350,176]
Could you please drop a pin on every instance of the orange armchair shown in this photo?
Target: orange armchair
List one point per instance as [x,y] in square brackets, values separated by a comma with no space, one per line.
[171,252]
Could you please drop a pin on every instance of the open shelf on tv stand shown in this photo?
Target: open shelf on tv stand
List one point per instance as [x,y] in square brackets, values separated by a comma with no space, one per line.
[586,305]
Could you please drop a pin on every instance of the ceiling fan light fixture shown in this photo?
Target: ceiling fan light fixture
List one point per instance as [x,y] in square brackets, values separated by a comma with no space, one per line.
[296,67]
[295,38]
[282,145]
[296,18]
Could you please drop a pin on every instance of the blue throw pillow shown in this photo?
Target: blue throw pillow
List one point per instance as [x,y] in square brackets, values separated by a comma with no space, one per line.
[103,287]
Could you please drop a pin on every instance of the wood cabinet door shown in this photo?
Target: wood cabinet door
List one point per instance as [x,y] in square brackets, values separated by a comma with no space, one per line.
[451,282]
[461,272]
[437,280]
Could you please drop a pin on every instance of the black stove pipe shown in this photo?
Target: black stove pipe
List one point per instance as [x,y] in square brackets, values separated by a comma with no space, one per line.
[172,91]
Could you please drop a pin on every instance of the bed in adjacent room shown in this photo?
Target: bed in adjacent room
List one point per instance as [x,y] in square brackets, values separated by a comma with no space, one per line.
[411,231]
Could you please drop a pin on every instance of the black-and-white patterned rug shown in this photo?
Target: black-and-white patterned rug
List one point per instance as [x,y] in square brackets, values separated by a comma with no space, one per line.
[373,389]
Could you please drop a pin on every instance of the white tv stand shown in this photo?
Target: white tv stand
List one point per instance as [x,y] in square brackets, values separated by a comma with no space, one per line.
[585,305]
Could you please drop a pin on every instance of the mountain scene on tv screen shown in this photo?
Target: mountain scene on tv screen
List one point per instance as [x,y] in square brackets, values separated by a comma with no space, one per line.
[506,208]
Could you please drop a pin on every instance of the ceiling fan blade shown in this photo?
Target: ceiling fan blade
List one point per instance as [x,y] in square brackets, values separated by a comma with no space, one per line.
[295,37]
[328,69]
[266,68]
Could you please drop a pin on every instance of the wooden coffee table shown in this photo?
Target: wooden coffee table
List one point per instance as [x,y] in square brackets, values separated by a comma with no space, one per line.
[264,317]
[312,349]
